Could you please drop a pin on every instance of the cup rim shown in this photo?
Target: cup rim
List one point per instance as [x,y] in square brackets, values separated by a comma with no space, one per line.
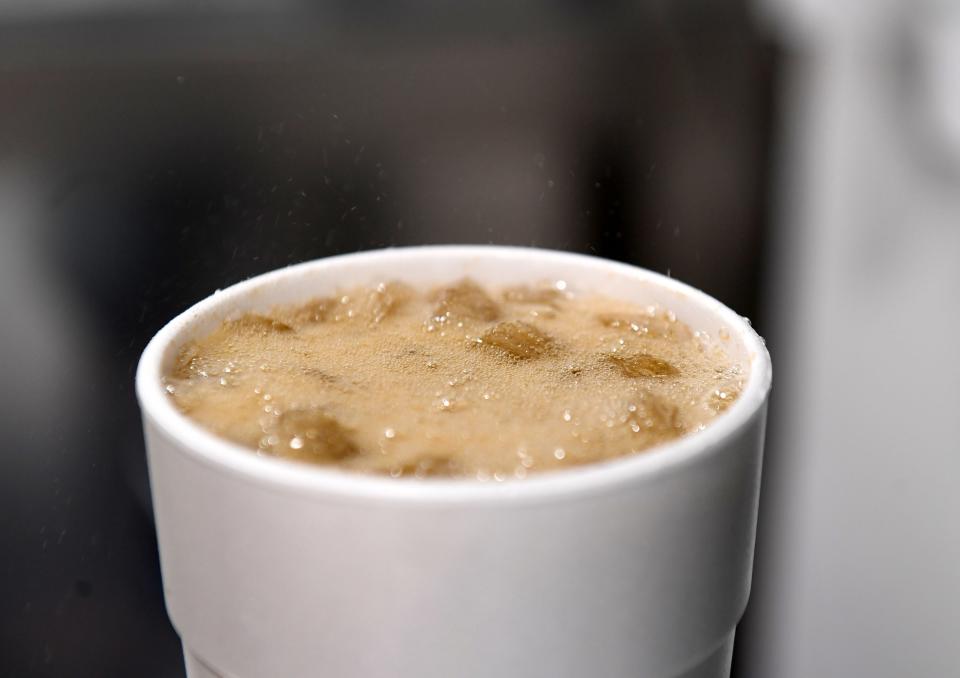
[194,441]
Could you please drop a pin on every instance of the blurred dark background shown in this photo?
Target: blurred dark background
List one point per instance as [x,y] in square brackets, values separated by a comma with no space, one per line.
[151,154]
[797,159]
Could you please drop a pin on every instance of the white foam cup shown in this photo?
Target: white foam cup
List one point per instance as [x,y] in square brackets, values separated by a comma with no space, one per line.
[639,566]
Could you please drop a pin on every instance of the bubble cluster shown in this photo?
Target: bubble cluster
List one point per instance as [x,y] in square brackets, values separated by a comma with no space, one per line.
[455,381]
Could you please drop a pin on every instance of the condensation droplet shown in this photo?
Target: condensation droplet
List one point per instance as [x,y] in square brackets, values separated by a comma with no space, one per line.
[559,453]
[296,443]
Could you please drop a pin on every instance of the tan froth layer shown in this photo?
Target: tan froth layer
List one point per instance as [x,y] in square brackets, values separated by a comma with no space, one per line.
[456,381]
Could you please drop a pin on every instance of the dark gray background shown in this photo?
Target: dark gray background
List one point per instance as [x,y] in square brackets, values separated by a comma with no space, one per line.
[150,155]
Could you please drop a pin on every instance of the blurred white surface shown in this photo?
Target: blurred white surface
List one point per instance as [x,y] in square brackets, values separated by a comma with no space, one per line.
[41,334]
[860,542]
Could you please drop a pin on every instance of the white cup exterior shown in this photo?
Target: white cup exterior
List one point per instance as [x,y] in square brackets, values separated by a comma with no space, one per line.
[634,567]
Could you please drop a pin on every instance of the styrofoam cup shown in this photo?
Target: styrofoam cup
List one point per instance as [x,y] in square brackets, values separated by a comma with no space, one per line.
[638,566]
